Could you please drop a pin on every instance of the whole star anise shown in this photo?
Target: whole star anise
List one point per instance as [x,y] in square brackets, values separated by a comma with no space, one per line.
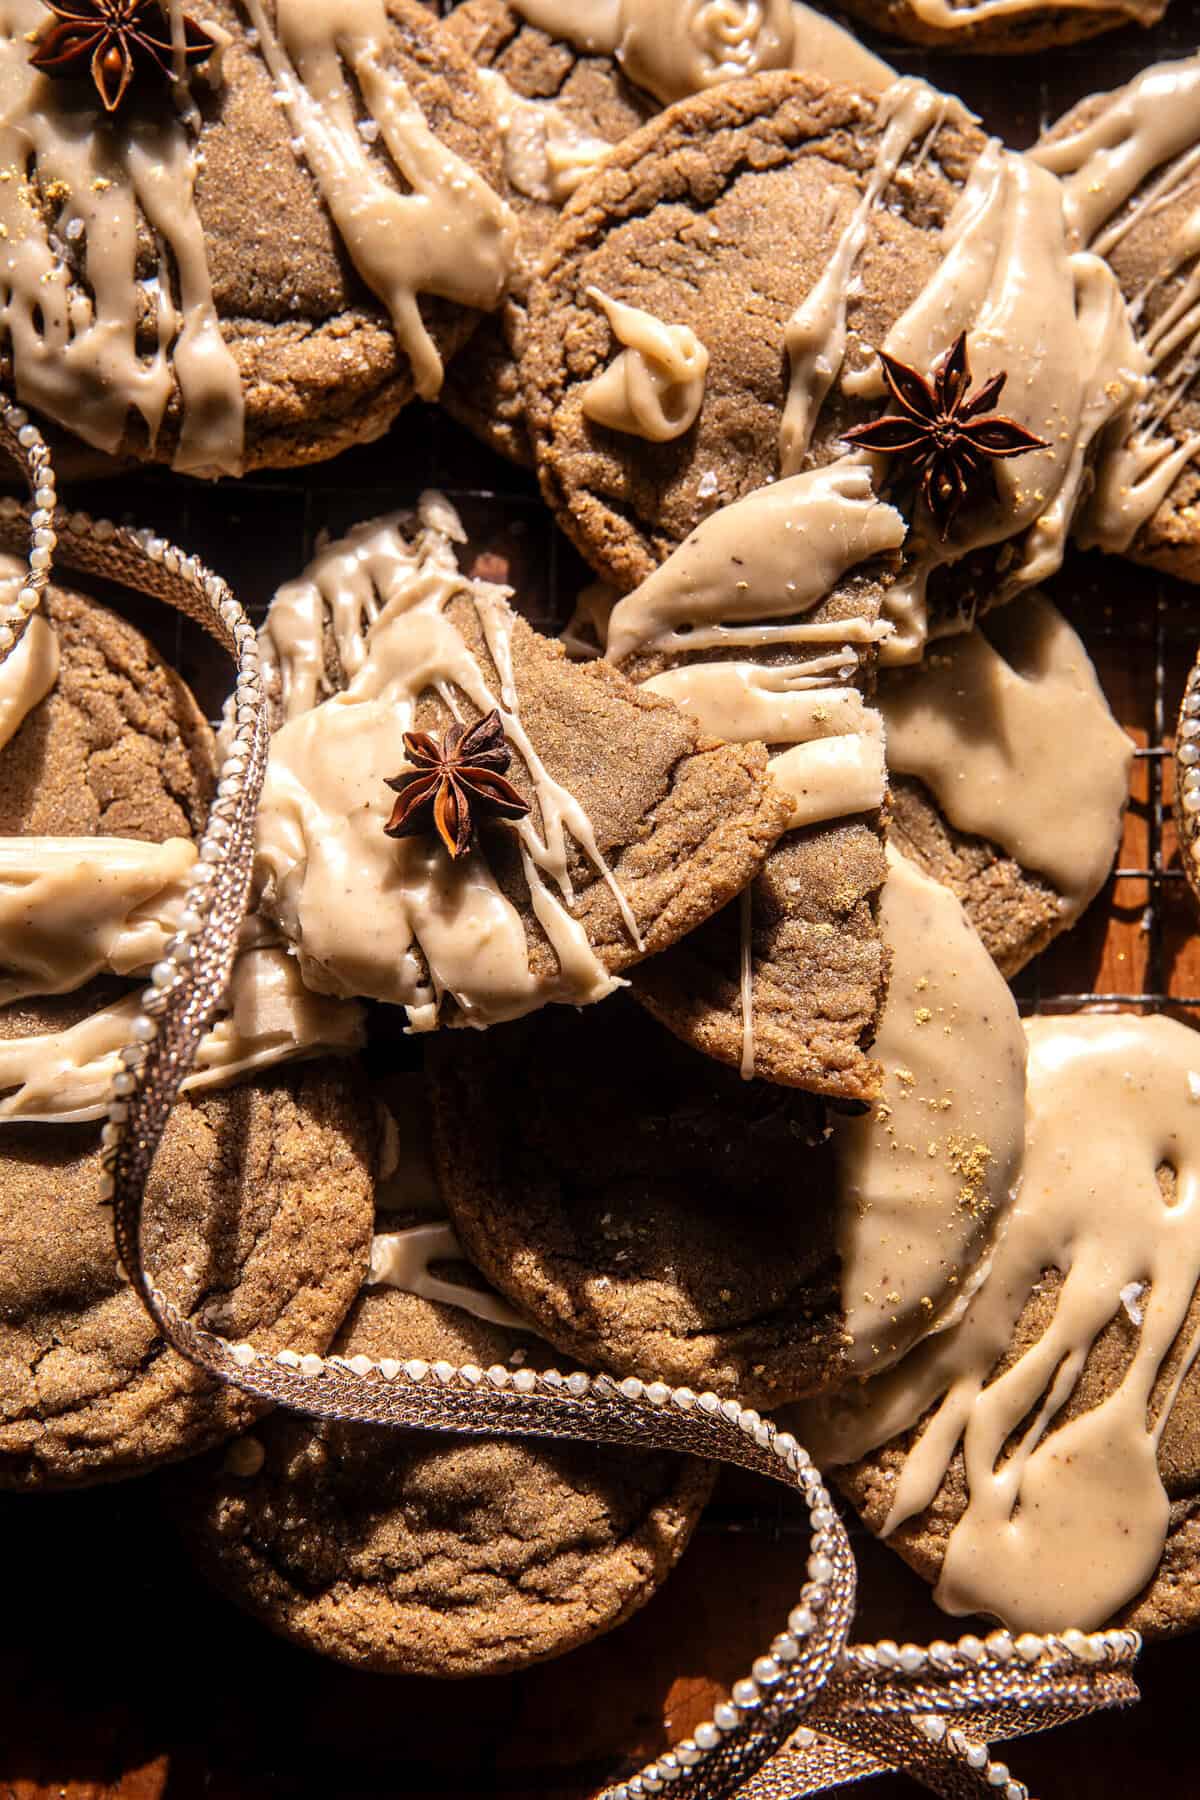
[114,40]
[454,784]
[939,431]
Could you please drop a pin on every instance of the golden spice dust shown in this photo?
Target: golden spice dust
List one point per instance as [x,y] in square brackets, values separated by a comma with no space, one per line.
[969,1158]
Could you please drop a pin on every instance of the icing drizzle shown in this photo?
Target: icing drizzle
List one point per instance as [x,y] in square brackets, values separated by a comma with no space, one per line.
[1152,123]
[982,721]
[655,386]
[75,907]
[450,234]
[924,1176]
[64,1077]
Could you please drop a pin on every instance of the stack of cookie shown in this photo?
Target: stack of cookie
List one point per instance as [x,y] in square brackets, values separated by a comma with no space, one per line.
[678,944]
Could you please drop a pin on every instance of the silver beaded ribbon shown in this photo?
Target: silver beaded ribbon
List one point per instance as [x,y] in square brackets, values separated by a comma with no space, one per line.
[1187,778]
[815,1710]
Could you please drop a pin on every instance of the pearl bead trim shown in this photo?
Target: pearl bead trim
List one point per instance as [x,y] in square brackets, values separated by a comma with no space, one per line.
[971,1656]
[1187,778]
[40,518]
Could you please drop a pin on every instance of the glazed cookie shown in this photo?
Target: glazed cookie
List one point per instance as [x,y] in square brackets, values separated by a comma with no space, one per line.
[591,824]
[557,109]
[1038,1456]
[1127,161]
[1007,27]
[1008,775]
[788,984]
[792,228]
[277,263]
[426,1555]
[566,82]
[98,737]
[657,1216]
[258,1222]
[116,744]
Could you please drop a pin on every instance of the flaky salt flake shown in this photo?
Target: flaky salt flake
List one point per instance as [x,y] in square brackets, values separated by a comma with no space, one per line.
[1131,1296]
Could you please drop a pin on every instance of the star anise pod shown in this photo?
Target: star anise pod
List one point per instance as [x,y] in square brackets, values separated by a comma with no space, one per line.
[114,40]
[940,431]
[454,784]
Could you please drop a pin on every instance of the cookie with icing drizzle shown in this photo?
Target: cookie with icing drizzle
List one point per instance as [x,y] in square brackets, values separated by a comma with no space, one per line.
[98,736]
[262,1199]
[1006,27]
[430,1555]
[264,273]
[1036,1456]
[640,824]
[795,228]
[657,1216]
[1130,164]
[1008,774]
[786,985]
[566,83]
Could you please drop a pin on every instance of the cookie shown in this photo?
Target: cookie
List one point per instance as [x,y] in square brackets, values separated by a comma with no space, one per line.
[995,25]
[557,110]
[1037,1456]
[278,263]
[422,1554]
[654,1215]
[788,984]
[565,85]
[258,1221]
[113,756]
[1008,775]
[105,739]
[1126,160]
[636,826]
[796,228]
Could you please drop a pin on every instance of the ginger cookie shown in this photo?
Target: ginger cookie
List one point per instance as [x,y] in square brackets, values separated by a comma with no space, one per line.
[1037,1456]
[98,737]
[258,1221]
[421,1554]
[557,109]
[788,983]
[1127,162]
[565,84]
[1005,27]
[601,823]
[655,1215]
[279,261]
[1008,775]
[798,231]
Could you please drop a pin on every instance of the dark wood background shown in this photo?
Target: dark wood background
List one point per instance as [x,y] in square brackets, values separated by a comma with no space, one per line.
[122,1675]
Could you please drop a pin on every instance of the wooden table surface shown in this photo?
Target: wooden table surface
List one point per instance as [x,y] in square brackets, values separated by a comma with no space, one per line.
[122,1675]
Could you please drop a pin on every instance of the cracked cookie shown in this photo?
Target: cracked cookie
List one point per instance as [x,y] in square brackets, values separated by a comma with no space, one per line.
[278,262]
[425,1555]
[802,232]
[565,84]
[258,1222]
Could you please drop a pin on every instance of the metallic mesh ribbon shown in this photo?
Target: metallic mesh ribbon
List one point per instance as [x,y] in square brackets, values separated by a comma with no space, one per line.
[815,1710]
